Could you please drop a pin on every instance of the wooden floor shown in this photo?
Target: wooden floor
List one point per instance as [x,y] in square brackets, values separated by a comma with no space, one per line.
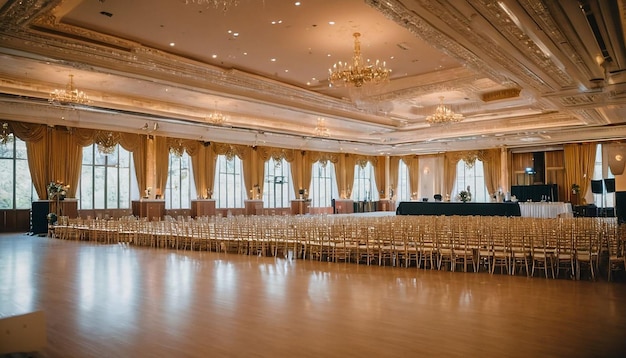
[116,301]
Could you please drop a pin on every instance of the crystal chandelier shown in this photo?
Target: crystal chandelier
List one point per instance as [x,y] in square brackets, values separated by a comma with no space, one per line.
[68,95]
[5,133]
[224,4]
[358,73]
[107,141]
[320,129]
[177,149]
[443,115]
[216,117]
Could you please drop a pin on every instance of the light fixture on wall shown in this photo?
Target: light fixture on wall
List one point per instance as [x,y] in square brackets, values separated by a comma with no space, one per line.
[217,117]
[320,129]
[223,4]
[358,73]
[5,133]
[106,142]
[68,95]
[443,115]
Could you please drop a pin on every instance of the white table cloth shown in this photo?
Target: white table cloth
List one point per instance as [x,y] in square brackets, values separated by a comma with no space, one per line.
[544,209]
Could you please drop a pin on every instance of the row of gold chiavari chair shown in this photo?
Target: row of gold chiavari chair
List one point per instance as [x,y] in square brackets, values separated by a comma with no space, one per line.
[508,245]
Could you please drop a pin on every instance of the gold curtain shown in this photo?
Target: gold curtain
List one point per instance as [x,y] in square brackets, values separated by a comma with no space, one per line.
[299,172]
[344,172]
[394,165]
[378,163]
[579,165]
[450,161]
[278,154]
[162,158]
[413,165]
[37,149]
[138,145]
[492,163]
[203,160]
[66,162]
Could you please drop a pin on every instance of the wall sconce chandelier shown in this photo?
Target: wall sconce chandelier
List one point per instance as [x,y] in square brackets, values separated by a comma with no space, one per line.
[217,118]
[5,134]
[443,115]
[106,142]
[321,130]
[69,95]
[358,73]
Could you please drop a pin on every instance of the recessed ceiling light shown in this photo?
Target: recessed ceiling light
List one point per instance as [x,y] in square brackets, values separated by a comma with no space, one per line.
[273,60]
[213,56]
[277,22]
[328,55]
[286,70]
[245,54]
[235,34]
[172,44]
[297,3]
[331,22]
[308,83]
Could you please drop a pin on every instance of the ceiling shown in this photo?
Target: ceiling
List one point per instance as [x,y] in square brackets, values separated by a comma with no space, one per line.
[524,73]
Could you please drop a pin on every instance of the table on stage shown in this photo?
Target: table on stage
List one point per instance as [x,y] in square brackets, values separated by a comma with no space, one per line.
[458,208]
[545,209]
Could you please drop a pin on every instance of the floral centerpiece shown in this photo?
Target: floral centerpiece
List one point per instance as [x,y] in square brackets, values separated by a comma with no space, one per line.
[147,192]
[57,190]
[465,195]
[575,189]
[52,218]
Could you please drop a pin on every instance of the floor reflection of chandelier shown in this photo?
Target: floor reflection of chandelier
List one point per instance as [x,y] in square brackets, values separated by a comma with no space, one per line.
[223,4]
[443,115]
[69,95]
[357,73]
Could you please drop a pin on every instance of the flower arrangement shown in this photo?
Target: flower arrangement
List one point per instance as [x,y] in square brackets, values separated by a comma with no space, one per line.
[52,218]
[465,195]
[575,189]
[147,192]
[57,190]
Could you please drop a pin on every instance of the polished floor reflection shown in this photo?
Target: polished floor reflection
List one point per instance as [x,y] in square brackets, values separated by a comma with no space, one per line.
[120,301]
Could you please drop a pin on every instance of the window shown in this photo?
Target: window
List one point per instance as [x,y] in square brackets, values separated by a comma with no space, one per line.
[105,180]
[473,177]
[364,187]
[180,187]
[16,186]
[277,190]
[229,187]
[605,200]
[323,184]
[402,191]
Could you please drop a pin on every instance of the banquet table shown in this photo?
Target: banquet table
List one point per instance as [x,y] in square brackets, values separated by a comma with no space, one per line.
[457,208]
[545,209]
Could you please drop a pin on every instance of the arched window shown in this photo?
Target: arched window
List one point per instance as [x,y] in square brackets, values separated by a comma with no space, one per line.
[471,176]
[277,191]
[16,186]
[323,185]
[180,187]
[229,190]
[105,179]
[364,186]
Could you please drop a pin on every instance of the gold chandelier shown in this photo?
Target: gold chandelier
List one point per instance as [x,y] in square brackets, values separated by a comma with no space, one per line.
[224,4]
[69,95]
[358,73]
[5,133]
[320,129]
[443,115]
[217,117]
[106,142]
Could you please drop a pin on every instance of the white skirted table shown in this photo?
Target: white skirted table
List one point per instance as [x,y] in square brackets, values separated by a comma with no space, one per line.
[545,209]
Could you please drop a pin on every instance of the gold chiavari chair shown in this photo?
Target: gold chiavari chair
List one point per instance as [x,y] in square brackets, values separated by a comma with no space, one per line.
[616,240]
[542,250]
[565,253]
[587,246]
[521,252]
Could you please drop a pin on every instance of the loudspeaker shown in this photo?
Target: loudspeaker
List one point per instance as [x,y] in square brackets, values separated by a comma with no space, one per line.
[539,166]
[620,206]
[596,187]
[609,184]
